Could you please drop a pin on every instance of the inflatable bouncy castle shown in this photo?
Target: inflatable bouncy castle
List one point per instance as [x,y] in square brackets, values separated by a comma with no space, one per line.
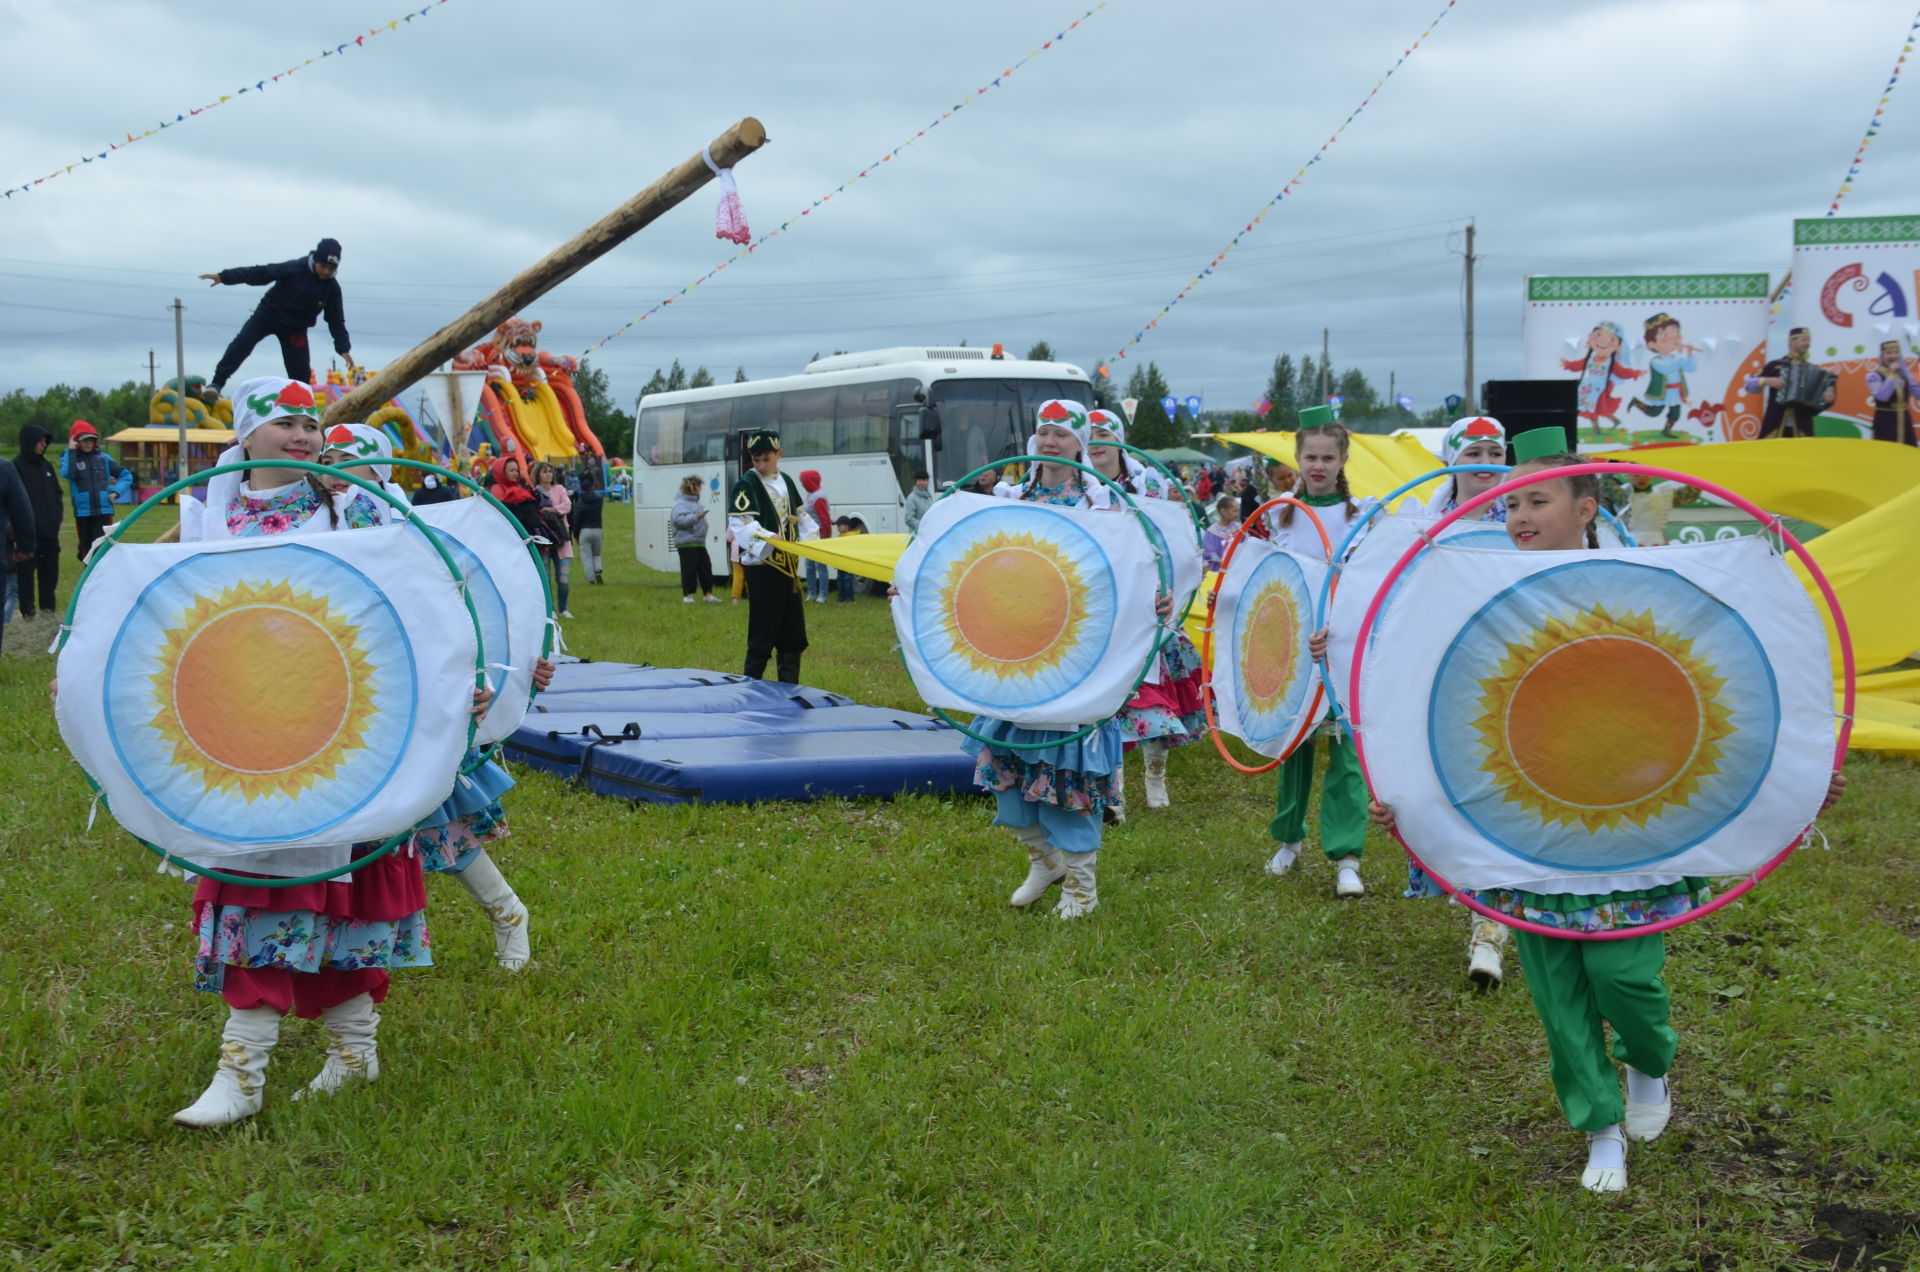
[529,405]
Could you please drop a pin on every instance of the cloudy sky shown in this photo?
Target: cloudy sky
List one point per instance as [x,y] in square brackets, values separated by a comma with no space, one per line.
[1069,204]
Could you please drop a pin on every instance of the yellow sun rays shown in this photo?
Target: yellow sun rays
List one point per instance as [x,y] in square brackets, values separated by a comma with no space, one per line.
[1602,720]
[1269,657]
[1013,605]
[261,690]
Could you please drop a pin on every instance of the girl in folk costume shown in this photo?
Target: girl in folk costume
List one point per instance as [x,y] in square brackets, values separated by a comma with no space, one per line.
[453,839]
[1166,713]
[1577,985]
[1320,451]
[1602,371]
[319,949]
[1052,799]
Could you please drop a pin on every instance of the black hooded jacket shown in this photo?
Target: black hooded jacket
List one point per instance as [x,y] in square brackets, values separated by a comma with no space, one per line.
[42,481]
[296,296]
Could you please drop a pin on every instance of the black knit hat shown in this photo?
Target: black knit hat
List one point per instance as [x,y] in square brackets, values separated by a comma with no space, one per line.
[327,252]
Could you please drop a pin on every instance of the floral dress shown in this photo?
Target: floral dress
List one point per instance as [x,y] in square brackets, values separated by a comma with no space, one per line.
[368,920]
[471,818]
[1077,776]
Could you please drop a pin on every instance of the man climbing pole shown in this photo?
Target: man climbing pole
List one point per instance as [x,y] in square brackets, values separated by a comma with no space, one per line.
[298,292]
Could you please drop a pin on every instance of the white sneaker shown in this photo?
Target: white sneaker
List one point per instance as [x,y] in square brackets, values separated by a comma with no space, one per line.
[1606,1170]
[1646,1119]
[240,1082]
[1283,859]
[686,600]
[1346,883]
[566,613]
[712,599]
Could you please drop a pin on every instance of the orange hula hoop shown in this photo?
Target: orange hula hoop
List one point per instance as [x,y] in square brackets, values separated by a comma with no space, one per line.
[1207,698]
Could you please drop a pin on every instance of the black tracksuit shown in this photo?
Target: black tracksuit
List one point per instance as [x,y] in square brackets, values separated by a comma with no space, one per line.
[42,481]
[295,299]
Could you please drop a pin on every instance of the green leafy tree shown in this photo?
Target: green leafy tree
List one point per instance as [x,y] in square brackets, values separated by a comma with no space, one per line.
[1281,386]
[702,379]
[739,375]
[657,383]
[613,426]
[1151,428]
[676,377]
[1041,352]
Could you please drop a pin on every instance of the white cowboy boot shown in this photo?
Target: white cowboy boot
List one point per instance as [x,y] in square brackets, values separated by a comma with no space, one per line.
[484,883]
[1484,948]
[1045,866]
[351,1053]
[240,1082]
[1115,812]
[1078,893]
[1154,754]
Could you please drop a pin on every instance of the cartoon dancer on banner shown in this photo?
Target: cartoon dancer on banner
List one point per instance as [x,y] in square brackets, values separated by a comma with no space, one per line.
[1602,370]
[1892,387]
[1666,371]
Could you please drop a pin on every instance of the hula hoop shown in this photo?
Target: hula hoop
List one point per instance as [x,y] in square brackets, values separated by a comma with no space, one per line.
[540,567]
[1207,696]
[1194,511]
[1165,590]
[446,558]
[1365,519]
[1787,541]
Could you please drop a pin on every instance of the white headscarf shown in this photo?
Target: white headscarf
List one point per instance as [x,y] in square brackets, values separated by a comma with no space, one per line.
[1062,413]
[364,441]
[267,398]
[1461,434]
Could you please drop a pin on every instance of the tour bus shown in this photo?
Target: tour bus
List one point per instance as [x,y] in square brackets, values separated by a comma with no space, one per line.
[864,421]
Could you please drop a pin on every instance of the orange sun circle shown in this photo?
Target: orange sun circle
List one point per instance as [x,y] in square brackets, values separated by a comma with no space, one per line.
[261,656]
[1267,660]
[1012,633]
[1560,716]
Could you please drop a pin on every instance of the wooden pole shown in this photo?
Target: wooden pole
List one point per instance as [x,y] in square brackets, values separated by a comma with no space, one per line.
[728,149]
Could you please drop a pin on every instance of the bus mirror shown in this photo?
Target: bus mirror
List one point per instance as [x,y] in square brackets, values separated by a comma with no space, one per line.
[929,424]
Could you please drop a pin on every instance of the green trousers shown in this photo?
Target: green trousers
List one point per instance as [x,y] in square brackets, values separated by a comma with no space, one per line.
[1343,799]
[1580,987]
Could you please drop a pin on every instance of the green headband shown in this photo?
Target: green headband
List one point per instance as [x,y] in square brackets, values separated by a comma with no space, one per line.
[1538,443]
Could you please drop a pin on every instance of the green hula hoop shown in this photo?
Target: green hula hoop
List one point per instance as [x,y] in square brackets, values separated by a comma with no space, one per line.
[1165,589]
[1194,511]
[433,539]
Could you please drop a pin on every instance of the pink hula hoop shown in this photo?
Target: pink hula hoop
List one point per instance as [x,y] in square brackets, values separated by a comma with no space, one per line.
[1745,505]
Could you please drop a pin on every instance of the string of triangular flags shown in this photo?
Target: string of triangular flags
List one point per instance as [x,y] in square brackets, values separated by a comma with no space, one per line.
[861,175]
[258,86]
[1879,113]
[1287,189]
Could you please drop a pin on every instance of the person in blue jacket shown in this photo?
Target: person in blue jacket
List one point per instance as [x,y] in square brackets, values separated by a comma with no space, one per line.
[298,292]
[96,481]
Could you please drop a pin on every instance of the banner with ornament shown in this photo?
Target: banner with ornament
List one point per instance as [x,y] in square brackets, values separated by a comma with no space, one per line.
[1657,357]
[1856,289]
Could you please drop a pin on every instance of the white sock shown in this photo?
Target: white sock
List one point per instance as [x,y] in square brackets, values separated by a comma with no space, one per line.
[1606,1154]
[1642,1089]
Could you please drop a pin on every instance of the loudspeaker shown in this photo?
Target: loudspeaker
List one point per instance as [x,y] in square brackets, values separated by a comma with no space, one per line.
[1524,405]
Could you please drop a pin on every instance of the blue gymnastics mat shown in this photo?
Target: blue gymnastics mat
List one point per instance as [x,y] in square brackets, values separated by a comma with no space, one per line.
[678,734]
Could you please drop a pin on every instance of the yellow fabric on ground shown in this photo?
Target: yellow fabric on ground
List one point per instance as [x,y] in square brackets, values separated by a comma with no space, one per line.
[1869,562]
[1826,480]
[1881,723]
[871,556]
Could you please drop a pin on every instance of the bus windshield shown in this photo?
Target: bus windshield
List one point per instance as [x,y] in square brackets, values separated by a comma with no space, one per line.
[984,420]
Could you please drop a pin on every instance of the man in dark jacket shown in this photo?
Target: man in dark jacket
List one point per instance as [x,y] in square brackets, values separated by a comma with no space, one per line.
[16,515]
[298,292]
[43,494]
[97,483]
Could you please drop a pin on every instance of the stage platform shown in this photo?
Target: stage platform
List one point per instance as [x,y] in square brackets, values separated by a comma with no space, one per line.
[673,735]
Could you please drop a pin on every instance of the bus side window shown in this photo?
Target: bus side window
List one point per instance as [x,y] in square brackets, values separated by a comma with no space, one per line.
[708,426]
[860,426]
[806,422]
[661,434]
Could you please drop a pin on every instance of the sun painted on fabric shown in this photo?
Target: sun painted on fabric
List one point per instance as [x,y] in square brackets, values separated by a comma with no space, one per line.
[261,690]
[1556,701]
[1618,700]
[1015,604]
[1270,653]
[1272,674]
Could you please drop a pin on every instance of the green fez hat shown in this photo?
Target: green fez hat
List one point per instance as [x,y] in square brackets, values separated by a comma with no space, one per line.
[763,439]
[1315,416]
[1538,443]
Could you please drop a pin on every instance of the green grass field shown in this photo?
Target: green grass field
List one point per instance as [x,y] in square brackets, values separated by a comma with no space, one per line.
[816,1037]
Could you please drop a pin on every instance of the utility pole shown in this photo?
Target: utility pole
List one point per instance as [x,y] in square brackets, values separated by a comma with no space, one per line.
[1326,386]
[1393,393]
[153,382]
[1469,405]
[180,397]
